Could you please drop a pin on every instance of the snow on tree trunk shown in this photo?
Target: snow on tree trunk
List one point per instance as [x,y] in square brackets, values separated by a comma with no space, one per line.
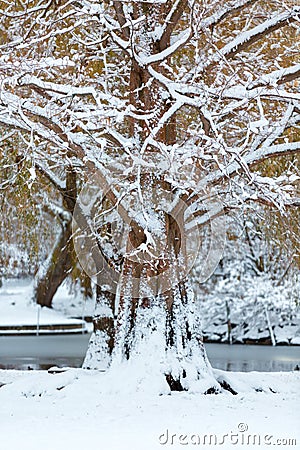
[161,337]
[101,343]
[158,330]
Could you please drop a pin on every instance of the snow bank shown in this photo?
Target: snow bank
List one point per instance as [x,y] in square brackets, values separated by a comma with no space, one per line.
[18,312]
[79,409]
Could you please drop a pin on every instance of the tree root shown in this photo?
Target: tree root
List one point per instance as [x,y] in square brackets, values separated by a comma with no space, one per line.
[175,385]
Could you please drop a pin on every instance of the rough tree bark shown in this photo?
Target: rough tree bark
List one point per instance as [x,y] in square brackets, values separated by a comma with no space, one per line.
[61,260]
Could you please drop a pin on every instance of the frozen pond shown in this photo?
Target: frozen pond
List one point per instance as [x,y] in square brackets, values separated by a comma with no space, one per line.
[42,352]
[245,358]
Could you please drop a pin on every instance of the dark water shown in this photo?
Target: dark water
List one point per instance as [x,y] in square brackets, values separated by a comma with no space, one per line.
[42,352]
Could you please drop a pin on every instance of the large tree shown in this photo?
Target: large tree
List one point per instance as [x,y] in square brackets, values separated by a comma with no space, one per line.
[166,109]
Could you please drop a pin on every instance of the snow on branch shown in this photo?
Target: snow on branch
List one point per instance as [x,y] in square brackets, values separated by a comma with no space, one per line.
[272,151]
[173,17]
[42,63]
[281,76]
[45,170]
[276,130]
[180,42]
[21,43]
[43,126]
[224,11]
[240,92]
[243,164]
[247,38]
[182,92]
[69,90]
[29,117]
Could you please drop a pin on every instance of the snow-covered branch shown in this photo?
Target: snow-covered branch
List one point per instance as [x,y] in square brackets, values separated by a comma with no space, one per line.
[225,10]
[45,170]
[281,76]
[171,20]
[245,39]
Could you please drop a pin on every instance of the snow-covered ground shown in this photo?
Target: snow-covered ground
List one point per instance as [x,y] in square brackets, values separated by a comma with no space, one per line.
[81,409]
[18,311]
[69,301]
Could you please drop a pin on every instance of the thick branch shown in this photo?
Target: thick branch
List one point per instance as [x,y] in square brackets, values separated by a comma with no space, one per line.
[121,19]
[281,76]
[172,20]
[244,40]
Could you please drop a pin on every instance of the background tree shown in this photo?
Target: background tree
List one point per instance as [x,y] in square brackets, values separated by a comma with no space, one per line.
[36,230]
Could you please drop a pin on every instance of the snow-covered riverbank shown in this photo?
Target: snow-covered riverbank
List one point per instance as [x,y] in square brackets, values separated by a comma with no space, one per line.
[19,315]
[250,311]
[85,409]
[248,319]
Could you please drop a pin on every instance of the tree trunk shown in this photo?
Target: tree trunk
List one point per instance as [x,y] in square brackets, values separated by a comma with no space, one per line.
[101,343]
[56,268]
[61,260]
[160,328]
[157,330]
